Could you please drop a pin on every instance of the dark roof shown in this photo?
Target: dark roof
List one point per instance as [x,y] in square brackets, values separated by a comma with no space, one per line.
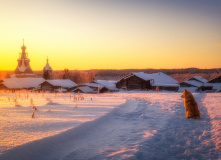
[216,80]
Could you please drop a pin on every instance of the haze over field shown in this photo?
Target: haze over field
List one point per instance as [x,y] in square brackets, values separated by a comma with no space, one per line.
[111,34]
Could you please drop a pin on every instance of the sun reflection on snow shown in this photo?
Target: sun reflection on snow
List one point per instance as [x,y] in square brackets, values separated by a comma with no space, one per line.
[123,153]
[148,134]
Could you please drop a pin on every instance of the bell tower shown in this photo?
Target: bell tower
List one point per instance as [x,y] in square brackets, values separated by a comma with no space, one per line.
[23,68]
[47,71]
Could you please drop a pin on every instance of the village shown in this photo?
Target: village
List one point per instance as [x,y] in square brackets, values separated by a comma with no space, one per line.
[24,78]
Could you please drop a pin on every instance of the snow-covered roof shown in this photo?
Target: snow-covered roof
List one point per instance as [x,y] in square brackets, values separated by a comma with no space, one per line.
[85,89]
[22,83]
[47,67]
[143,75]
[111,85]
[95,85]
[161,78]
[158,78]
[216,86]
[217,79]
[194,83]
[199,78]
[66,83]
[165,85]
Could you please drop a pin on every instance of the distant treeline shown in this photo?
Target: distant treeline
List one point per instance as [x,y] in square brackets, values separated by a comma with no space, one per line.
[178,74]
[166,71]
[82,76]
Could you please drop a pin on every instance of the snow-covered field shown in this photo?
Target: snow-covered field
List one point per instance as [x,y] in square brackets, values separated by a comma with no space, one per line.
[133,125]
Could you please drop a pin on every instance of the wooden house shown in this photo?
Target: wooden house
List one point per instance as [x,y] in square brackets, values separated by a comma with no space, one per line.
[198,79]
[143,81]
[195,83]
[83,89]
[57,85]
[98,86]
[213,85]
[191,83]
[216,80]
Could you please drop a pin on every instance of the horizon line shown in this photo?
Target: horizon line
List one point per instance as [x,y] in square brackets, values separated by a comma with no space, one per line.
[126,69]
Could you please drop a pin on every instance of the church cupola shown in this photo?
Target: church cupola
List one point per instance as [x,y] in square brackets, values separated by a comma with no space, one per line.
[23,68]
[23,48]
[47,71]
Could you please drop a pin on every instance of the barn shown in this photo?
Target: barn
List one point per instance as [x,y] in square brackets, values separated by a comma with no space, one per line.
[143,81]
[56,85]
[83,89]
[135,81]
[106,86]
[213,85]
[98,86]
[195,83]
[198,79]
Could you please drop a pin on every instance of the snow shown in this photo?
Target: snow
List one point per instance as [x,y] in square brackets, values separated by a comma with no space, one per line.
[47,67]
[194,83]
[166,85]
[66,83]
[200,79]
[125,125]
[216,86]
[158,78]
[20,83]
[161,78]
[111,85]
[84,89]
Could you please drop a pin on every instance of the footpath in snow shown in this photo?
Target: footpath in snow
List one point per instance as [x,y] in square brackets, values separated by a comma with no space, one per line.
[147,126]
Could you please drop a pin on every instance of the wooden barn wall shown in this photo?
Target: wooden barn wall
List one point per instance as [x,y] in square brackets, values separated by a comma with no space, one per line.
[103,90]
[47,87]
[135,82]
[186,85]
[216,80]
[121,84]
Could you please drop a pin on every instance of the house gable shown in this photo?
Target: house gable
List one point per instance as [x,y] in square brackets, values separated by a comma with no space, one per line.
[135,82]
[216,80]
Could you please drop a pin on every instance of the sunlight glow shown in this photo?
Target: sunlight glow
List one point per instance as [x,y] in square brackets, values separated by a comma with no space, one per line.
[108,35]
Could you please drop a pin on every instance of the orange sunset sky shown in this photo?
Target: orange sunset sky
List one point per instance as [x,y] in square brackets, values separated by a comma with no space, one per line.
[114,34]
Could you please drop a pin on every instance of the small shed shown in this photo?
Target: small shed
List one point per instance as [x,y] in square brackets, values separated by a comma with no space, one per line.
[216,80]
[191,83]
[83,89]
[109,86]
[215,84]
[199,79]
